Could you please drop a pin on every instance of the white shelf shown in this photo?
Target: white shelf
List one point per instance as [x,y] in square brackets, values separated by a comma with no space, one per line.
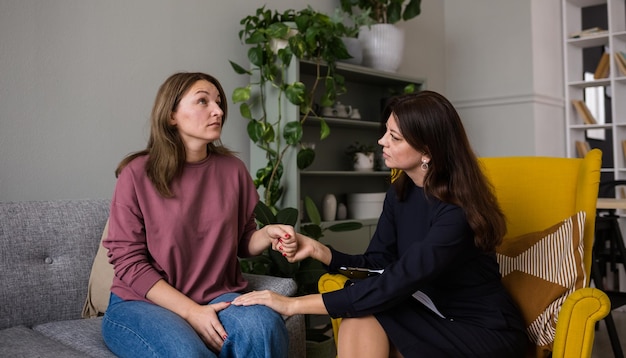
[611,130]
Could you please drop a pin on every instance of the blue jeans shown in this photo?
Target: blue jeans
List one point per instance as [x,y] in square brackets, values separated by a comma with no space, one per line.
[141,329]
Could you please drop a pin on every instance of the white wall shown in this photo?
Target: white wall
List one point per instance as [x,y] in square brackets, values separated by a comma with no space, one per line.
[504,74]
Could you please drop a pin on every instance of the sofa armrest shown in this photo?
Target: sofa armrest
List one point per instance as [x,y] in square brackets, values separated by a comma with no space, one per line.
[281,285]
[575,329]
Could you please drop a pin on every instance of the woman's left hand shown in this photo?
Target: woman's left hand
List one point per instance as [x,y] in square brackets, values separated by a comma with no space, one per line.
[267,298]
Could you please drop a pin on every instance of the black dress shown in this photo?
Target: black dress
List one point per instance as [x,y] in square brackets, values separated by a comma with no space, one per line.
[427,245]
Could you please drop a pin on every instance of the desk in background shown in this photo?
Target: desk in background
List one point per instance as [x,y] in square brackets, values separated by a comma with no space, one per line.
[609,203]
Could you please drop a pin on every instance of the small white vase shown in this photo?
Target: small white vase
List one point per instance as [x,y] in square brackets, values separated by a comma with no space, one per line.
[383,46]
[342,211]
[329,207]
[364,162]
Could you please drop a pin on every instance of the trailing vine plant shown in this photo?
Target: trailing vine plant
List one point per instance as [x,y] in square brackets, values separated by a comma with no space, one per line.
[308,35]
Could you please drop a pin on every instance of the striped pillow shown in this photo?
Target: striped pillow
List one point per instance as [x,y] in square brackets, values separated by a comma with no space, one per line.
[540,270]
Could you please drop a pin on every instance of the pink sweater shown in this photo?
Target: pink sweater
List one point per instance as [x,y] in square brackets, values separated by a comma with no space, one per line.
[191,240]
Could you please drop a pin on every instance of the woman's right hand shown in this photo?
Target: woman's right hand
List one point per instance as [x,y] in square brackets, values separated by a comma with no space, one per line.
[308,247]
[204,320]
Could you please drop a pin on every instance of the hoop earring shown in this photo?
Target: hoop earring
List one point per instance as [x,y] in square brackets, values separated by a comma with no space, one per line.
[424,165]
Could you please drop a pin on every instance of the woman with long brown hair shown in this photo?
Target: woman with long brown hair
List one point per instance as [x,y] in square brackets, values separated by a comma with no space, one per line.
[440,292]
[182,213]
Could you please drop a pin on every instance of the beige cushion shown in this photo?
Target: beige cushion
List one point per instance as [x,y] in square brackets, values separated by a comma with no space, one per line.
[100,280]
[540,270]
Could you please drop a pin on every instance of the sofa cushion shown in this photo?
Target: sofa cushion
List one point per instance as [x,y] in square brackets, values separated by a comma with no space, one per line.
[84,335]
[20,341]
[540,270]
[46,250]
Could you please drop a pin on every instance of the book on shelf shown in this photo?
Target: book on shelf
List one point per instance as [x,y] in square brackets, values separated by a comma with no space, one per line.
[582,148]
[602,69]
[592,31]
[583,111]
[624,149]
[620,61]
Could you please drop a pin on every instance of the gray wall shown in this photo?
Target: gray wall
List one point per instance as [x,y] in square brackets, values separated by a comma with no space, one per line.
[78,77]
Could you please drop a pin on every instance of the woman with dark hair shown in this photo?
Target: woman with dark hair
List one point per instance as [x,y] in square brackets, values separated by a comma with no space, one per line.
[440,292]
[181,215]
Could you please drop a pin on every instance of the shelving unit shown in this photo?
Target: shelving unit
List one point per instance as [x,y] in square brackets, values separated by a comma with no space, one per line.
[332,171]
[581,55]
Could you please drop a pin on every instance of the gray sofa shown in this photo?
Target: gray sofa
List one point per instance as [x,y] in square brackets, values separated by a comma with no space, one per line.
[46,253]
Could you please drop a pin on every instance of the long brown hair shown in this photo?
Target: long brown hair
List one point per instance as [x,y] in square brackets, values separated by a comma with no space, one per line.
[166,150]
[431,125]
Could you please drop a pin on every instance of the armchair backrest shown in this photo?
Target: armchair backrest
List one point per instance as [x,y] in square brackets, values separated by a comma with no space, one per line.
[536,192]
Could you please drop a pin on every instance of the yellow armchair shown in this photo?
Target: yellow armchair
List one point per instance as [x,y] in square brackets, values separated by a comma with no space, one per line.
[534,193]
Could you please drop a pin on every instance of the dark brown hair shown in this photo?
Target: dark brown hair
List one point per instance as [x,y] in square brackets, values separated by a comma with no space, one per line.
[166,150]
[431,125]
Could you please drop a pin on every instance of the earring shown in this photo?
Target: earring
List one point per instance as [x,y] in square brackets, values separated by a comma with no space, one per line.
[424,165]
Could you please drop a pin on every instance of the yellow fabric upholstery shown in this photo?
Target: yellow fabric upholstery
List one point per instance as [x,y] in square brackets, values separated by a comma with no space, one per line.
[535,193]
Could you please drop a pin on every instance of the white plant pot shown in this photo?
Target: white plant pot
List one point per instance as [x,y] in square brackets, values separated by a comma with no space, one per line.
[364,162]
[383,46]
[355,49]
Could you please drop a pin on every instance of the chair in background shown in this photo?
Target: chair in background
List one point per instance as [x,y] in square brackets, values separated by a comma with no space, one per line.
[535,193]
[608,253]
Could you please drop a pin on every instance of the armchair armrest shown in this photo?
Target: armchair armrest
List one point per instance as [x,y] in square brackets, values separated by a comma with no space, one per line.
[332,282]
[575,329]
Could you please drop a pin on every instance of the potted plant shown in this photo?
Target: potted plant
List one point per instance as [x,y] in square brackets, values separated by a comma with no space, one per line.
[316,38]
[383,42]
[362,156]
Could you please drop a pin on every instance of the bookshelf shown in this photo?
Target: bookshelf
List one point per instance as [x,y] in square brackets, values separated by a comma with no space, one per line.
[594,33]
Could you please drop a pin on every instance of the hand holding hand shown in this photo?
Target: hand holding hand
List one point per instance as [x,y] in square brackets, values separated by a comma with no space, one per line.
[283,239]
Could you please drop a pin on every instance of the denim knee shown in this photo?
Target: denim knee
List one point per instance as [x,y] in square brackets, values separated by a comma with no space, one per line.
[141,329]
[254,331]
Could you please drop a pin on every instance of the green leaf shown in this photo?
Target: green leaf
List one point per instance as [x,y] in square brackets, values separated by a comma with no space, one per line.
[245,112]
[297,46]
[277,30]
[412,9]
[296,93]
[346,226]
[264,214]
[255,130]
[268,132]
[287,216]
[240,70]
[256,37]
[311,210]
[410,88]
[293,132]
[305,158]
[285,55]
[255,56]
[394,12]
[324,129]
[241,94]
[311,230]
